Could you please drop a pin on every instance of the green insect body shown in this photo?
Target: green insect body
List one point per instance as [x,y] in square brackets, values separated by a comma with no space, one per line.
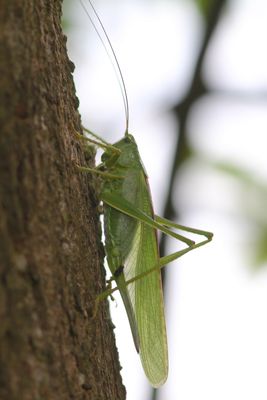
[131,242]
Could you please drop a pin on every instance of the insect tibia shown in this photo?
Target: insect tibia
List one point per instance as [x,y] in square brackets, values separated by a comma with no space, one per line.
[104,295]
[101,143]
[184,228]
[101,297]
[99,138]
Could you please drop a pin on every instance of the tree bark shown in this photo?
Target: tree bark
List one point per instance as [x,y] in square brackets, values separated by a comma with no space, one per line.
[50,251]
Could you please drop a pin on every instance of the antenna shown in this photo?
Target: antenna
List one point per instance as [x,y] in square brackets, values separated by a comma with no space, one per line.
[112,57]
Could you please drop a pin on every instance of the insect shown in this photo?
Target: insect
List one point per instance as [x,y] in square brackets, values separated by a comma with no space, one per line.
[131,243]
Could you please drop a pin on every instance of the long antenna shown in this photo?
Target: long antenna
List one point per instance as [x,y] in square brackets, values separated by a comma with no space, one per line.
[114,61]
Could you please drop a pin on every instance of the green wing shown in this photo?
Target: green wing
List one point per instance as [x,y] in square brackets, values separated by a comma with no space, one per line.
[147,299]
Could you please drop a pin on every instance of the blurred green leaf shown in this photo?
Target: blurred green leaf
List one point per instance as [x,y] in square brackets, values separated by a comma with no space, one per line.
[253,201]
[67,20]
[260,256]
[204,6]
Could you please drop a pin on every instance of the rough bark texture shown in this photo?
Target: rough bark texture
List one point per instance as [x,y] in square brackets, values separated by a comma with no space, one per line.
[50,253]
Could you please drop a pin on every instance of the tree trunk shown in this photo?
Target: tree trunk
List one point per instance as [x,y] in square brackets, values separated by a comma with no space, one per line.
[50,251]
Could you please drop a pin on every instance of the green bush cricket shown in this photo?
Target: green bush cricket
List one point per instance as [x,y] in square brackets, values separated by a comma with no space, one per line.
[131,243]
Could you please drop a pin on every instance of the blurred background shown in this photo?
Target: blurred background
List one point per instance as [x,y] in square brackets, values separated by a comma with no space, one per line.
[196,76]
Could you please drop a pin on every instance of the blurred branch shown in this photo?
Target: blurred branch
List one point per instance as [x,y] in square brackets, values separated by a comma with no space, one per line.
[196,90]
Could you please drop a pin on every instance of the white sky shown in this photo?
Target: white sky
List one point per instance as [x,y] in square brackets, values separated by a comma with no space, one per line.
[217,317]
